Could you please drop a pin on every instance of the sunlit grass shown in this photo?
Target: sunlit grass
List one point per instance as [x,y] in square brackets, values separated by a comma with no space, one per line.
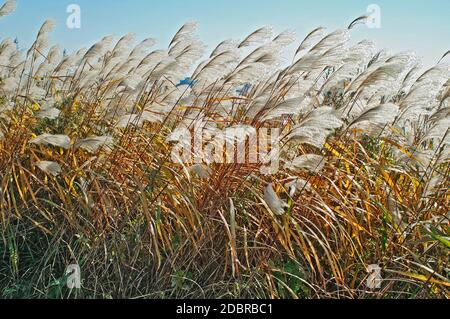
[101,189]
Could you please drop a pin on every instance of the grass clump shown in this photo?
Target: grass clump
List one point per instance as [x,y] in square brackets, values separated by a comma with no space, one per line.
[87,174]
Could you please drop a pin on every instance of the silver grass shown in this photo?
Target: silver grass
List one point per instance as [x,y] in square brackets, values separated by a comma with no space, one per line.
[437,76]
[62,141]
[131,83]
[276,205]
[233,224]
[310,39]
[49,113]
[334,39]
[7,48]
[438,131]
[412,113]
[36,92]
[377,89]
[88,79]
[40,45]
[53,58]
[122,69]
[422,158]
[270,59]
[163,68]
[246,74]
[443,156]
[403,58]
[383,76]
[98,48]
[359,20]
[190,53]
[444,56]
[381,114]
[285,38]
[95,143]
[51,168]
[316,127]
[273,80]
[297,184]
[439,114]
[304,64]
[359,54]
[9,85]
[217,66]
[109,71]
[141,49]
[257,105]
[223,46]
[261,35]
[258,55]
[152,59]
[339,78]
[379,57]
[184,32]
[123,45]
[54,54]
[445,95]
[434,185]
[139,119]
[18,70]
[293,106]
[69,62]
[47,27]
[411,77]
[7,8]
[301,87]
[373,65]
[179,47]
[310,162]
[116,70]
[15,58]
[333,57]
[8,42]
[423,96]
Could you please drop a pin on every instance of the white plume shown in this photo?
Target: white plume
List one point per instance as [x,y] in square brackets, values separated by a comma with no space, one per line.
[7,8]
[62,141]
[51,168]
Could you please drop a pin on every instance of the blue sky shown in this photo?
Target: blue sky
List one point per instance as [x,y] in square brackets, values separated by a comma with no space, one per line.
[420,26]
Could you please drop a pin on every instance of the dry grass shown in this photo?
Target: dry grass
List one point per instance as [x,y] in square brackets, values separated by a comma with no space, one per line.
[142,226]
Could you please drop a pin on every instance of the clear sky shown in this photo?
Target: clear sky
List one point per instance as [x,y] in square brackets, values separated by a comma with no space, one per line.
[407,25]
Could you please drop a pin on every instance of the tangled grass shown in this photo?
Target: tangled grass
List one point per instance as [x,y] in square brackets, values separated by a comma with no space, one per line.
[87,177]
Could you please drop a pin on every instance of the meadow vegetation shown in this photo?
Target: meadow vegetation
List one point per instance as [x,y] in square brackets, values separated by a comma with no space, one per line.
[87,174]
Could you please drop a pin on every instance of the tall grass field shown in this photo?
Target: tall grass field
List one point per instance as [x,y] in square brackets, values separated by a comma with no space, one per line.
[100,168]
